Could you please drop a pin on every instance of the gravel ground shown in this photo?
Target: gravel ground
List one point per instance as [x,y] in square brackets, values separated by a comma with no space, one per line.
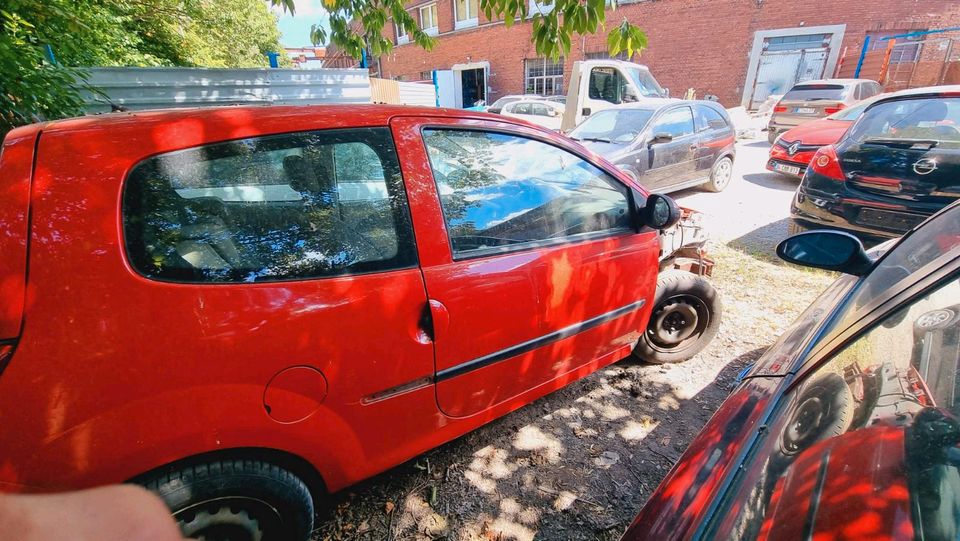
[579,463]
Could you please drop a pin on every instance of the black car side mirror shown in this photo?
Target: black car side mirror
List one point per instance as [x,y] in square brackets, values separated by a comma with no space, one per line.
[659,138]
[830,250]
[658,212]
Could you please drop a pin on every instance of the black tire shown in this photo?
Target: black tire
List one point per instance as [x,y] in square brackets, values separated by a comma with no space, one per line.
[685,318]
[772,136]
[237,500]
[824,409]
[720,175]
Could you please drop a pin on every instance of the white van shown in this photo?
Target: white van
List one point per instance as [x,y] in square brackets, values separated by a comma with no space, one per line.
[599,84]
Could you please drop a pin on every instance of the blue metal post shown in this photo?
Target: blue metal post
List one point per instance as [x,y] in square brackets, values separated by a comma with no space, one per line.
[274,59]
[48,52]
[863,54]
[363,58]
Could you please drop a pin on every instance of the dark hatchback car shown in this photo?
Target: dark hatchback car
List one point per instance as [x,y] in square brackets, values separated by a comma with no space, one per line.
[666,144]
[848,427]
[898,164]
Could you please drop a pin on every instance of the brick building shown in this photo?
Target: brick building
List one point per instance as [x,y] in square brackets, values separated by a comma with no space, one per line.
[738,50]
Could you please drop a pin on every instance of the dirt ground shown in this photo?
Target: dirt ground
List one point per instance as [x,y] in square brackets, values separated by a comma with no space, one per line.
[579,463]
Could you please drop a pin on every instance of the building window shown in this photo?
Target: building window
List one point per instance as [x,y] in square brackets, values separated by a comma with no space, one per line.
[426,75]
[604,54]
[539,7]
[401,33]
[905,50]
[543,76]
[466,13]
[795,43]
[428,19]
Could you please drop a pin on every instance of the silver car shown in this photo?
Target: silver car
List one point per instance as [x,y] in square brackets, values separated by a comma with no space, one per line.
[811,100]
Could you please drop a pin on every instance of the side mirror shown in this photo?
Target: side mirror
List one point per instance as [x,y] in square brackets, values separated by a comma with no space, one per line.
[659,212]
[830,250]
[665,93]
[630,97]
[585,111]
[660,138]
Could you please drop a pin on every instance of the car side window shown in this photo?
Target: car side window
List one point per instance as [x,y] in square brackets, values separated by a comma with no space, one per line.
[676,122]
[501,191]
[859,91]
[607,84]
[521,109]
[538,109]
[281,207]
[707,114]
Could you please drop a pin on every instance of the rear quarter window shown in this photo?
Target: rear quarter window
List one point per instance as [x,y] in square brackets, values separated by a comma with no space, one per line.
[282,207]
[816,92]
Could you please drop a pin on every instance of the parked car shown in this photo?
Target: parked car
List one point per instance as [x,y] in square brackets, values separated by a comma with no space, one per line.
[541,112]
[497,106]
[811,100]
[667,144]
[793,149]
[847,428]
[227,305]
[560,98]
[898,164]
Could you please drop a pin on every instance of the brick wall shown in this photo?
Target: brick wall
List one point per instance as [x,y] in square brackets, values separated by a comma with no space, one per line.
[703,44]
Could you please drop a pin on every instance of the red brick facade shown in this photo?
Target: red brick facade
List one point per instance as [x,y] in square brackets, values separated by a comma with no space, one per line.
[700,44]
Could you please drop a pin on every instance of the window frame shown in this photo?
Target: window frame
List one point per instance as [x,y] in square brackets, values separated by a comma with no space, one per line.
[432,9]
[471,21]
[632,193]
[395,185]
[653,121]
[556,80]
[401,39]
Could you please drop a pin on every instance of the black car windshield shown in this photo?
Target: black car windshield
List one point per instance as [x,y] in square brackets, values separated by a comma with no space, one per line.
[935,120]
[816,92]
[613,125]
[645,82]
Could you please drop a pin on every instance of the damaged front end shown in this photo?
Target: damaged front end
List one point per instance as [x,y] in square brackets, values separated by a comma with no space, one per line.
[683,246]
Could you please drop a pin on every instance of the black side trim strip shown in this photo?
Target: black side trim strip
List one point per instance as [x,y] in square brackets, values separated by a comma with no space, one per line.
[531,345]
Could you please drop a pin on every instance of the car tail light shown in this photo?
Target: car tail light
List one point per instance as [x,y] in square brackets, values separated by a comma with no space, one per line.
[826,163]
[6,352]
[780,109]
[835,109]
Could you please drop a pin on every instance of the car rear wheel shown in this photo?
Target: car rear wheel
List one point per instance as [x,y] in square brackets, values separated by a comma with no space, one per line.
[236,500]
[685,318]
[720,175]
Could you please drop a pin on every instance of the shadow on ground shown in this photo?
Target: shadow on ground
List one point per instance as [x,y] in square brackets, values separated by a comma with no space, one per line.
[761,243]
[773,181]
[577,464]
[758,144]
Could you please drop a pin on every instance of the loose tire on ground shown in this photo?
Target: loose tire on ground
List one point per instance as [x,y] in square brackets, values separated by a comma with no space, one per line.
[720,175]
[685,318]
[239,500]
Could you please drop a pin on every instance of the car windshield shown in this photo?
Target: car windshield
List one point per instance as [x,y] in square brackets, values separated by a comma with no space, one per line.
[613,125]
[816,92]
[645,82]
[934,120]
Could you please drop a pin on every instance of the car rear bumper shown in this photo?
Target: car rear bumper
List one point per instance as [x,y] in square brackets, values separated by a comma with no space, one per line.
[814,208]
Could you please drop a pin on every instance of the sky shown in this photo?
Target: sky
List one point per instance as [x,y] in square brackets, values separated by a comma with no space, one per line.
[296,29]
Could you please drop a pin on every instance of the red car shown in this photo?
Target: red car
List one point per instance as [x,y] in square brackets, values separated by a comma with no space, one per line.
[849,426]
[793,150]
[246,307]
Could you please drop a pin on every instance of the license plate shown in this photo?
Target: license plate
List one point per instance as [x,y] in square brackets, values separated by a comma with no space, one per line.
[804,110]
[885,219]
[789,169]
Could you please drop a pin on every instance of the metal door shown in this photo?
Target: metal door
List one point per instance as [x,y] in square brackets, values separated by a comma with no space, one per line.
[778,71]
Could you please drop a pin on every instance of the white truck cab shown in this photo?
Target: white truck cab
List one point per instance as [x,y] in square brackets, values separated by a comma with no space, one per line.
[600,84]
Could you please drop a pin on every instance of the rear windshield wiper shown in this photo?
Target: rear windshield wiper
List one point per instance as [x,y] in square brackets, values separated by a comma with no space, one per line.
[595,139]
[925,144]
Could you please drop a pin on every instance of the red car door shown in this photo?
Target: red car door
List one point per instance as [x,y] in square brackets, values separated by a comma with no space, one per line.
[532,269]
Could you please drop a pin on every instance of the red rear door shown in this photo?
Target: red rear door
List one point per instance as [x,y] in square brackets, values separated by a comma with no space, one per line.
[531,268]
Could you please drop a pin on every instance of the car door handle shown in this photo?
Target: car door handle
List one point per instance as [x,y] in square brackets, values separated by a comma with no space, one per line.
[694,147]
[441,318]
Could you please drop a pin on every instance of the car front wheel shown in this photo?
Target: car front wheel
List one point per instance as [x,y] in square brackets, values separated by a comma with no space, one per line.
[236,500]
[685,318]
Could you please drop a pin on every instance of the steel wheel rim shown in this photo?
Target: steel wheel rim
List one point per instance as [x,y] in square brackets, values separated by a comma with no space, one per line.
[724,173]
[229,519]
[676,322]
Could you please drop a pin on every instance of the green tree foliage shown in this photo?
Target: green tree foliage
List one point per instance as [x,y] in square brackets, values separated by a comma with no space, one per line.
[208,33]
[359,24]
